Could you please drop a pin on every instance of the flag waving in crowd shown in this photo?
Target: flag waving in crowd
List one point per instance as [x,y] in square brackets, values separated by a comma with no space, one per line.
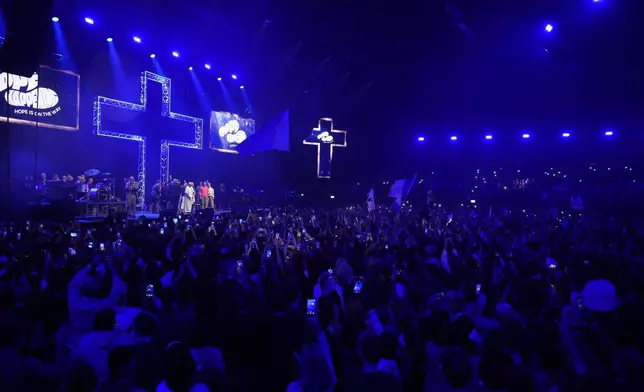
[400,190]
[371,201]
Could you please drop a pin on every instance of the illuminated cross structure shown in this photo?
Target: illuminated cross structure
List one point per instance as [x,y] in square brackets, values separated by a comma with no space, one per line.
[166,105]
[325,137]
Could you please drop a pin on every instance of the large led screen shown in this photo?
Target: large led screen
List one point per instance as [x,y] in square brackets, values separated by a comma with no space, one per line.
[229,130]
[48,98]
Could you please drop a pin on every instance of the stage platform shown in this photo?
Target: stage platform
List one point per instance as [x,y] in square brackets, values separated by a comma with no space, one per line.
[139,215]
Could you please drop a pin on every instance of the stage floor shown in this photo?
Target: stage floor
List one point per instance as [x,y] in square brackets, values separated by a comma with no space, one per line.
[139,214]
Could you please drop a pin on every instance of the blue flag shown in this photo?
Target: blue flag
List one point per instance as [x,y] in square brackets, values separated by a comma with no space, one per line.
[273,136]
[399,191]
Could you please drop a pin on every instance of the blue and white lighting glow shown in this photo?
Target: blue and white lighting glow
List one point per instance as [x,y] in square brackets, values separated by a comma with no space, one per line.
[234,76]
[526,136]
[110,39]
[136,39]
[175,54]
[488,137]
[565,134]
[207,66]
[89,21]
[55,19]
[549,28]
[453,138]
[153,56]
[421,138]
[166,111]
[608,132]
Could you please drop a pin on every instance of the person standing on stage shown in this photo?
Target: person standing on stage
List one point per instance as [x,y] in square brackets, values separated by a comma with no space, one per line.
[188,199]
[131,189]
[203,195]
[211,196]
[157,193]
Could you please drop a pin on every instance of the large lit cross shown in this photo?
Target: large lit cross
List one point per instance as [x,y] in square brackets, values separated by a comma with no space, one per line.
[166,103]
[325,137]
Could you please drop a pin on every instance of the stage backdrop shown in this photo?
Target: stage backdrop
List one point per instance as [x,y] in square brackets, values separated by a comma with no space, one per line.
[49,98]
[37,148]
[228,130]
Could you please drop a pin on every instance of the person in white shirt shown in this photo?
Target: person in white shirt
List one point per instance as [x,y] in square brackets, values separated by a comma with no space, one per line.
[188,199]
[211,196]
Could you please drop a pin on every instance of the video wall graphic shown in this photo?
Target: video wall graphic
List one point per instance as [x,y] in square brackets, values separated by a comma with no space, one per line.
[229,130]
[49,98]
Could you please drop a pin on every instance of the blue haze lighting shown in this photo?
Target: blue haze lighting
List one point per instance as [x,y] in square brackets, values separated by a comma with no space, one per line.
[207,66]
[241,87]
[549,28]
[175,54]
[608,133]
[453,138]
[89,21]
[136,39]
[190,69]
[421,139]
[526,136]
[110,40]
[153,55]
[488,137]
[55,19]
[219,78]
[234,76]
[566,134]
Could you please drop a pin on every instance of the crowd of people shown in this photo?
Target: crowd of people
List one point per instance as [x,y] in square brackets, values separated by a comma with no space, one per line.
[302,299]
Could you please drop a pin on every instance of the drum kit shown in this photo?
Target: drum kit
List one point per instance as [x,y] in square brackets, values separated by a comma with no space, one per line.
[103,188]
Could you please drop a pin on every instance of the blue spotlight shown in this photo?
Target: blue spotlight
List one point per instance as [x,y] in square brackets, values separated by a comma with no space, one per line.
[55,19]
[453,138]
[608,133]
[219,78]
[526,136]
[110,39]
[234,76]
[175,54]
[153,55]
[421,139]
[190,69]
[565,134]
[549,28]
[241,87]
[89,21]
[136,39]
[488,137]
[207,66]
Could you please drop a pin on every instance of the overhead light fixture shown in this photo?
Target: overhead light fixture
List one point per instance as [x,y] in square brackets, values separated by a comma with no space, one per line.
[55,19]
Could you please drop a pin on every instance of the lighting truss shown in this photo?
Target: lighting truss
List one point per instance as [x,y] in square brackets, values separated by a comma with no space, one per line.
[166,106]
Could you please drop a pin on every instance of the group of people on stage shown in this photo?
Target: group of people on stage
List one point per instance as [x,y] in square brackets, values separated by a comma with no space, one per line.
[189,194]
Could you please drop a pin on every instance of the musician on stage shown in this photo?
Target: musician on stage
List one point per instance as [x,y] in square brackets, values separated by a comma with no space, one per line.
[157,192]
[131,189]
[211,196]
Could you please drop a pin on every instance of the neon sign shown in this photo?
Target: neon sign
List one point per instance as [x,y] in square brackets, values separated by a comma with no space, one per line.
[325,138]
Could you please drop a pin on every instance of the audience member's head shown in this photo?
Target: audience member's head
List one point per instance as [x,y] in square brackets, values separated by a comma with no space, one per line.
[457,367]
